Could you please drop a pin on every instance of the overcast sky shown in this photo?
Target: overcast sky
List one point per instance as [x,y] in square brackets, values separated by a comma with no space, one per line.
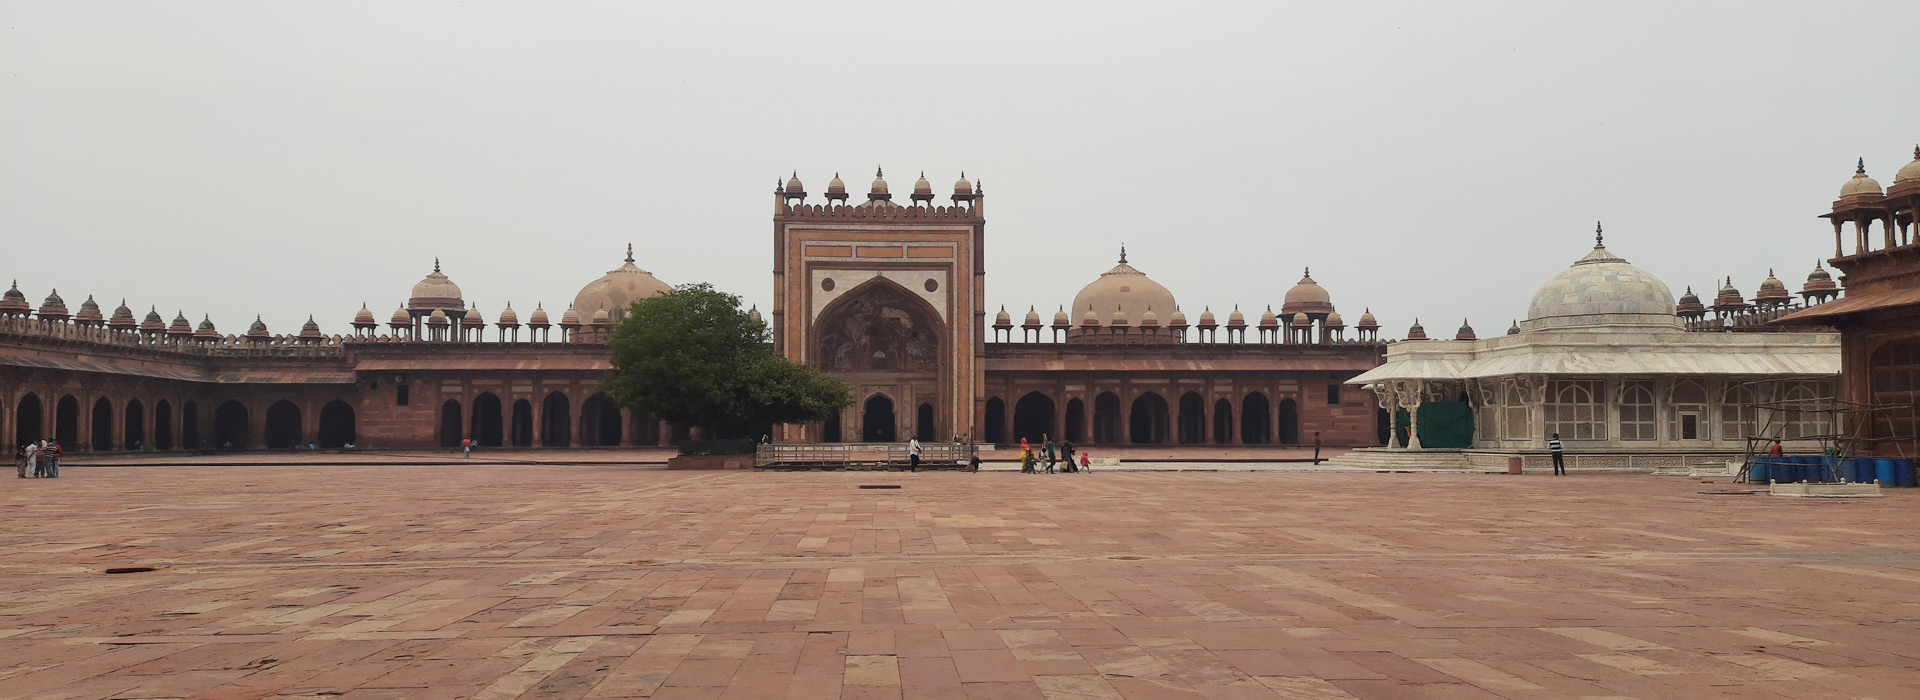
[1438,160]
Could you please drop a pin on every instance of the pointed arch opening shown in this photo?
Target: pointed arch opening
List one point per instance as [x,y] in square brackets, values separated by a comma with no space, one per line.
[1106,418]
[1256,419]
[190,426]
[996,427]
[102,424]
[1193,419]
[163,425]
[877,422]
[522,433]
[878,326]
[1223,422]
[1076,428]
[923,422]
[66,421]
[283,425]
[450,429]
[556,421]
[1033,418]
[1149,423]
[336,424]
[230,426]
[486,428]
[28,423]
[1289,419]
[599,422]
[133,433]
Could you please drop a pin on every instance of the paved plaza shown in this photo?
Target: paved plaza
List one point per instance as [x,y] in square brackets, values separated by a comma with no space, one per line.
[602,581]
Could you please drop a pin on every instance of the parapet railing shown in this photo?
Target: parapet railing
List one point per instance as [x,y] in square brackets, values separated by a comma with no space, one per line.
[856,455]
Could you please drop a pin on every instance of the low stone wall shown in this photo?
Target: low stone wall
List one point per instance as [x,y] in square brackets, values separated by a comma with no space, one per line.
[710,462]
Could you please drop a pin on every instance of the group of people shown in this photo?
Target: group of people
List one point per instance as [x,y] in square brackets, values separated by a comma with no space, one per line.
[39,460]
[1054,454]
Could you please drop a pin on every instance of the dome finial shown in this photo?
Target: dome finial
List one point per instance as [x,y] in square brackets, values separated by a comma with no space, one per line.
[1306,272]
[1860,166]
[629,252]
[436,264]
[877,172]
[1123,253]
[1599,236]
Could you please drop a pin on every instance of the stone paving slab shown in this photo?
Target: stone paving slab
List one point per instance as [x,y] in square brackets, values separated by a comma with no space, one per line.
[493,581]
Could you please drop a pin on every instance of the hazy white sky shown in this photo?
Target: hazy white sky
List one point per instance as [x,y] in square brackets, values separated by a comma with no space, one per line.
[1438,160]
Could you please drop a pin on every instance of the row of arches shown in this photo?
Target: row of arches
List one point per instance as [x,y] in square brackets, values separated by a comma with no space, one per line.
[489,423]
[230,428]
[1148,420]
[878,422]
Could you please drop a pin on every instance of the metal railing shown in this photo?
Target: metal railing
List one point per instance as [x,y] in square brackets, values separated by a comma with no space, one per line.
[852,455]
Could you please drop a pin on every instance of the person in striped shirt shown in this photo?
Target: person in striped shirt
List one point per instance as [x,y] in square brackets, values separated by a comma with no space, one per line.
[1559,462]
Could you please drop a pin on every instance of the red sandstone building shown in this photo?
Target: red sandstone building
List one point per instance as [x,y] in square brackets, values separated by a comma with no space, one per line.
[887,296]
[1879,318]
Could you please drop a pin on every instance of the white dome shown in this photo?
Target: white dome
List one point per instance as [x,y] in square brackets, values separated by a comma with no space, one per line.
[616,291]
[1601,290]
[1124,289]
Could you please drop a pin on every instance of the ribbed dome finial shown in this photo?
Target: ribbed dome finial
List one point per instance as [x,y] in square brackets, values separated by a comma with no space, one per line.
[1123,253]
[629,252]
[436,264]
[1599,236]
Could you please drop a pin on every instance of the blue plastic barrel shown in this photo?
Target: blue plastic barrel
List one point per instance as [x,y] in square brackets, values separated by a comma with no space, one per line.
[1757,471]
[1860,470]
[1903,472]
[1887,471]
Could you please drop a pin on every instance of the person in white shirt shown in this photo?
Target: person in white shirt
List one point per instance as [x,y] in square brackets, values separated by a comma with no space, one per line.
[1559,462]
[913,454]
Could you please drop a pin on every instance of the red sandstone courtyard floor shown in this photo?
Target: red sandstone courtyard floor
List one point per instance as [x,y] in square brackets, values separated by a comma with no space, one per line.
[354,583]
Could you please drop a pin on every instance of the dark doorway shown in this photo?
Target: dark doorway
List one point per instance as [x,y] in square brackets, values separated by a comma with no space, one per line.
[923,422]
[831,431]
[1193,419]
[66,422]
[133,435]
[102,424]
[450,423]
[486,420]
[996,421]
[1382,426]
[1076,429]
[1032,418]
[230,426]
[1289,422]
[1106,418]
[556,421]
[1223,422]
[1148,424]
[163,425]
[283,425]
[1256,420]
[336,424]
[28,424]
[876,422]
[190,426]
[522,423]
[599,422]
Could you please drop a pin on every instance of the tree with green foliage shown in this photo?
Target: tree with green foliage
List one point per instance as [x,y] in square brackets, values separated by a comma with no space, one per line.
[692,357]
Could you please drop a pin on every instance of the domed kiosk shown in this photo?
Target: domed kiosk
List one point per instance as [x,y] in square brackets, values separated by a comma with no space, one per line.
[1603,361]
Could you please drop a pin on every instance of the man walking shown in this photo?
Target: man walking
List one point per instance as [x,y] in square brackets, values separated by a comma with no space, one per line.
[1050,452]
[50,457]
[913,454]
[30,460]
[1316,448]
[1559,462]
[1066,455]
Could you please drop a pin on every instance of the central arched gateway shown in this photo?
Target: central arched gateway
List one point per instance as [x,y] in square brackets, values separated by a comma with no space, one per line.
[877,422]
[884,339]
